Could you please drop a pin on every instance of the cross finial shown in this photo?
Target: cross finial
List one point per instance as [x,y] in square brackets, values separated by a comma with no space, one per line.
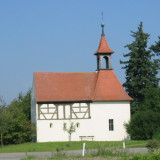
[102,25]
[102,17]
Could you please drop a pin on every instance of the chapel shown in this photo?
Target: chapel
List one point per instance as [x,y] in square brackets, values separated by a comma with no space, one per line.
[95,101]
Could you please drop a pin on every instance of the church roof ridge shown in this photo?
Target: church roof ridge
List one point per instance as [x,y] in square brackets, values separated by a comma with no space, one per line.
[62,72]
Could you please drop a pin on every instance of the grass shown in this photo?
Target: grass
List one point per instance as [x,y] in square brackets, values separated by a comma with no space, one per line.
[78,158]
[29,158]
[53,146]
[148,156]
[136,144]
[106,156]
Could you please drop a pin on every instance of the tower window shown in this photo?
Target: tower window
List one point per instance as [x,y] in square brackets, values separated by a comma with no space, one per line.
[104,63]
[111,125]
[107,62]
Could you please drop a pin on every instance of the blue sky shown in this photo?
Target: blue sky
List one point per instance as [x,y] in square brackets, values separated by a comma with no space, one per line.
[62,35]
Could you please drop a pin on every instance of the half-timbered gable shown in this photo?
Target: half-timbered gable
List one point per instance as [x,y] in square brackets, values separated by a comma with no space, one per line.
[63,111]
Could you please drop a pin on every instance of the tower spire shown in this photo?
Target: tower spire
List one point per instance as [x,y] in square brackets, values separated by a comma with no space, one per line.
[104,52]
[102,25]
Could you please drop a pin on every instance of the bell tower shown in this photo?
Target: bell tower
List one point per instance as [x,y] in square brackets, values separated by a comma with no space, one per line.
[103,53]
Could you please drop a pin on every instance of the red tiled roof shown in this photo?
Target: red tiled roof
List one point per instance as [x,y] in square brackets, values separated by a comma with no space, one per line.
[91,86]
[103,46]
[108,87]
[50,86]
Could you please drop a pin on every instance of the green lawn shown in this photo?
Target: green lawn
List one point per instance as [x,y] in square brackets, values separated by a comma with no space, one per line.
[53,146]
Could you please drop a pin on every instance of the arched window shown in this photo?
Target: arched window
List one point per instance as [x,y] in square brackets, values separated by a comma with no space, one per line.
[106,62]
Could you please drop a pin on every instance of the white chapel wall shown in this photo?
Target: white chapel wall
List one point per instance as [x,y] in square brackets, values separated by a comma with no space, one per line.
[97,126]
[33,105]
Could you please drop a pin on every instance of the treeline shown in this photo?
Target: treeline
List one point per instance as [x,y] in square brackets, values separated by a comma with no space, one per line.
[142,84]
[15,120]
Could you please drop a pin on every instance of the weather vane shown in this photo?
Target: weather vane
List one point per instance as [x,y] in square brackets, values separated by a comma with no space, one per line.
[102,25]
[102,17]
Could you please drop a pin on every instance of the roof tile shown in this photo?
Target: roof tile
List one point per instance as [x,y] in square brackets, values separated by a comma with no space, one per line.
[108,87]
[90,86]
[52,86]
[103,46]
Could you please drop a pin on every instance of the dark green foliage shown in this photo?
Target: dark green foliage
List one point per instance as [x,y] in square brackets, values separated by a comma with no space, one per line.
[157,134]
[24,102]
[20,128]
[143,125]
[4,120]
[156,48]
[140,69]
[150,156]
[142,85]
[152,100]
[153,145]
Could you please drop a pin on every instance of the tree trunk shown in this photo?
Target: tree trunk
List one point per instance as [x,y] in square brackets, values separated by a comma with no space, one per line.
[1,140]
[70,143]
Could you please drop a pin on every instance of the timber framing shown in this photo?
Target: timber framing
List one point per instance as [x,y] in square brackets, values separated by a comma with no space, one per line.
[64,111]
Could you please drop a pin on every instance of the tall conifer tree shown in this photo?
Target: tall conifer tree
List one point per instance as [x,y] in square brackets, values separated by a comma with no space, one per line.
[141,84]
[140,69]
[156,49]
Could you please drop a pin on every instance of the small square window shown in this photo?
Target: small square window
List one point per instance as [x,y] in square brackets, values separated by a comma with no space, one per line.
[51,125]
[78,125]
[111,125]
[64,125]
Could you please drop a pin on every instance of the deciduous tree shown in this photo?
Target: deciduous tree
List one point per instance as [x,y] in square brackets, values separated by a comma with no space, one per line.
[20,128]
[70,129]
[143,125]
[4,120]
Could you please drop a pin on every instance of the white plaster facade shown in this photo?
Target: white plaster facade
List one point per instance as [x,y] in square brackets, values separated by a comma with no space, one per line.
[97,125]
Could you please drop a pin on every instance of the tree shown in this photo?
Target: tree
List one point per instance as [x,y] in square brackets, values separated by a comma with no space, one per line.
[142,85]
[156,47]
[20,128]
[143,125]
[24,102]
[71,129]
[141,71]
[4,119]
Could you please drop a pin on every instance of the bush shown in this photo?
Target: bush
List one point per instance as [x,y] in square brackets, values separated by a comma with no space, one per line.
[143,125]
[151,156]
[107,150]
[157,134]
[153,145]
